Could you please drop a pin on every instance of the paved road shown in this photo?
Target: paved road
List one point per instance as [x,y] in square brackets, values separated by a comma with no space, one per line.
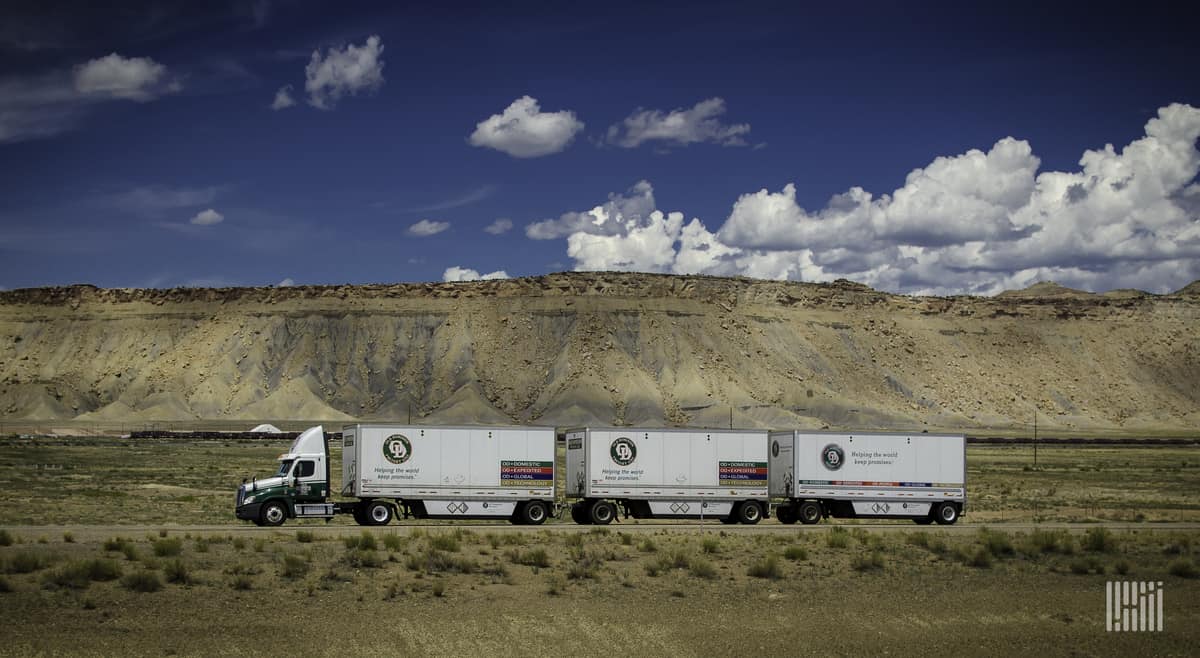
[98,533]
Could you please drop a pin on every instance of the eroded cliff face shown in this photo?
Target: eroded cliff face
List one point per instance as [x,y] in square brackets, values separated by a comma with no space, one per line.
[604,348]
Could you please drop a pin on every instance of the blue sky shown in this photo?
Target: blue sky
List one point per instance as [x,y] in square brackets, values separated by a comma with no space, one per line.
[915,147]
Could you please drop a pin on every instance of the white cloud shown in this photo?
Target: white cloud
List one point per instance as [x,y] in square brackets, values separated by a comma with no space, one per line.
[463,274]
[351,70]
[207,218]
[426,228]
[283,98]
[34,107]
[606,219]
[502,225]
[524,131]
[679,127]
[138,79]
[973,223]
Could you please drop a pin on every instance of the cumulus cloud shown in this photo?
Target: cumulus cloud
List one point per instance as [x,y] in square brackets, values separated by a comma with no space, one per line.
[463,274]
[679,127]
[979,222]
[138,79]
[348,71]
[426,228]
[207,218]
[524,131]
[283,98]
[502,225]
[34,107]
[606,219]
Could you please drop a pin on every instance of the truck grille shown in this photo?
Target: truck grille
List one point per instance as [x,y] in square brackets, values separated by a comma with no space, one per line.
[241,494]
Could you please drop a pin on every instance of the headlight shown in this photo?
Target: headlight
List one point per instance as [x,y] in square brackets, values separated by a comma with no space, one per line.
[248,499]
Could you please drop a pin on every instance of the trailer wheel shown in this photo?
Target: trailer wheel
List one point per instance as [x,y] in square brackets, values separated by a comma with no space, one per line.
[359,514]
[378,513]
[579,514]
[533,513]
[810,512]
[602,512]
[749,512]
[273,513]
[946,514]
[785,514]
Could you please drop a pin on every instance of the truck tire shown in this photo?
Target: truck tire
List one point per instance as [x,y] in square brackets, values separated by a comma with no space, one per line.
[809,512]
[360,515]
[946,514]
[785,514]
[749,513]
[602,512]
[579,514]
[273,513]
[533,513]
[378,513]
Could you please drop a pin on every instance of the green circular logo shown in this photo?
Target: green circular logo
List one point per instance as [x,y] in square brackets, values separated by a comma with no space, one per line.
[623,451]
[833,457]
[397,449]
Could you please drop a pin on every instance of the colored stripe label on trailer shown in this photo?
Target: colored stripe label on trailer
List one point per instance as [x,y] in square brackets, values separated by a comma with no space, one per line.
[526,473]
[742,474]
[868,483]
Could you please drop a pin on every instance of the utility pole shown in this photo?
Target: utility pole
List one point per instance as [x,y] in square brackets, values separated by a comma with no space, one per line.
[1035,439]
[730,417]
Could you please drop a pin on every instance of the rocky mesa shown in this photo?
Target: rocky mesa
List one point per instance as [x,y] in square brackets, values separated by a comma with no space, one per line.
[606,348]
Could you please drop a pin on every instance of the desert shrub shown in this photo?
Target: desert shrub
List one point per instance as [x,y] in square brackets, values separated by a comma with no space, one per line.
[6,538]
[1122,567]
[142,581]
[242,582]
[997,543]
[767,567]
[433,561]
[867,561]
[1183,568]
[626,539]
[647,545]
[201,545]
[176,571]
[5,587]
[78,575]
[584,564]
[573,540]
[26,562]
[438,589]
[536,557]
[917,539]
[795,553]
[243,569]
[293,567]
[980,558]
[555,585]
[837,538]
[1082,566]
[260,545]
[130,552]
[168,547]
[367,541]
[710,545]
[1099,540]
[68,538]
[444,542]
[703,569]
[393,542]
[115,543]
[239,543]
[305,536]
[359,558]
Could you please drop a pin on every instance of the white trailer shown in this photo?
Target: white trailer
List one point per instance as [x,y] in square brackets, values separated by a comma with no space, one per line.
[498,472]
[667,473]
[868,475]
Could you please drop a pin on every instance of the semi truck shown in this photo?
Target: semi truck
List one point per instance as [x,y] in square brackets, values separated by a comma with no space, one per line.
[868,475]
[666,473]
[497,472]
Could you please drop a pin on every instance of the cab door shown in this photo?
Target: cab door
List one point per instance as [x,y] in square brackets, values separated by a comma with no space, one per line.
[307,483]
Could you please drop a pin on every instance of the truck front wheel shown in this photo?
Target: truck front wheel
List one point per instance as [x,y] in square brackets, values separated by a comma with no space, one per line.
[810,512]
[602,512]
[946,514]
[273,513]
[378,513]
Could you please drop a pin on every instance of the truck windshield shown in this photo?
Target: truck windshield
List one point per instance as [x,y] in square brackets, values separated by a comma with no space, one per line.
[285,466]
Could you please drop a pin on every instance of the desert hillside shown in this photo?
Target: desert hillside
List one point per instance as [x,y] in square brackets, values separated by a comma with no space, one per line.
[605,348]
